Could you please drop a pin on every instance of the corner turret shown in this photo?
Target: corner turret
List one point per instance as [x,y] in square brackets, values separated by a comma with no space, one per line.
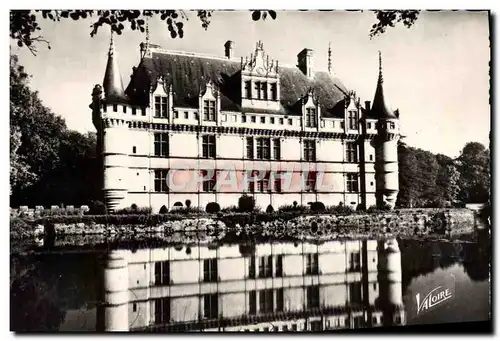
[112,84]
[386,148]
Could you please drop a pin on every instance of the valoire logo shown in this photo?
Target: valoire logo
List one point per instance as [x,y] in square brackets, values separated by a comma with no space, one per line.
[435,297]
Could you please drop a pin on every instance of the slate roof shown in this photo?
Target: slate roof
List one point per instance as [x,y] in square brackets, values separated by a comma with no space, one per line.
[188,75]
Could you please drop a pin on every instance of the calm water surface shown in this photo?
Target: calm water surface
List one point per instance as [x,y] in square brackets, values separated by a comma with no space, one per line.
[248,286]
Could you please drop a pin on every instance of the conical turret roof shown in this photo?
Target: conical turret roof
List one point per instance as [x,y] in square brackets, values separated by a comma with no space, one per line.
[112,83]
[379,108]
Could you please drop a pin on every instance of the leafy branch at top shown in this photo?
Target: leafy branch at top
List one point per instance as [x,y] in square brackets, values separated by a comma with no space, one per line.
[24,24]
[390,18]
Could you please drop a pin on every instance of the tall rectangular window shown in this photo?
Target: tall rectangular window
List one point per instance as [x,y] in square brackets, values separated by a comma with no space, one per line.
[263,148]
[210,306]
[277,182]
[161,184]
[249,147]
[134,111]
[310,150]
[143,111]
[355,292]
[162,273]
[266,266]
[280,300]
[115,107]
[162,310]
[209,184]
[352,182]
[310,184]
[353,120]
[252,300]
[263,90]
[263,184]
[351,152]
[208,146]
[161,144]
[282,121]
[248,89]
[209,110]
[274,91]
[266,300]
[124,109]
[355,262]
[251,267]
[313,296]
[161,107]
[311,118]
[250,180]
[312,267]
[262,119]
[279,265]
[257,89]
[277,149]
[210,270]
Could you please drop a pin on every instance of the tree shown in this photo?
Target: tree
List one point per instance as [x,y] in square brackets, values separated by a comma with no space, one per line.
[49,163]
[24,24]
[474,168]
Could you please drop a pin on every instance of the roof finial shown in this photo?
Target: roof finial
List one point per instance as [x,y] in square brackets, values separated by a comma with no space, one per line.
[147,33]
[330,58]
[380,78]
[112,44]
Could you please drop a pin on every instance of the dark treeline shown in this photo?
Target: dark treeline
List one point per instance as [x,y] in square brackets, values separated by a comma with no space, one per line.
[436,180]
[52,165]
[49,164]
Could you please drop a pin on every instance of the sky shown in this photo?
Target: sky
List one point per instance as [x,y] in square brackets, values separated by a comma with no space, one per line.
[436,73]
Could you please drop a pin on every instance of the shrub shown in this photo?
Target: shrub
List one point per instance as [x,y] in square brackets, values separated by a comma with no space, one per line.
[269,209]
[360,208]
[295,204]
[212,207]
[246,203]
[341,209]
[97,208]
[178,204]
[133,207]
[163,209]
[230,209]
[372,209]
[294,208]
[317,207]
[188,203]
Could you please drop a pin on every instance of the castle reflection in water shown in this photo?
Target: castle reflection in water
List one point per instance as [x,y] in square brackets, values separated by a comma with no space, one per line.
[253,287]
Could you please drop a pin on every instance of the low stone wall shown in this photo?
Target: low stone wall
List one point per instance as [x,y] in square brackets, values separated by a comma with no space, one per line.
[402,222]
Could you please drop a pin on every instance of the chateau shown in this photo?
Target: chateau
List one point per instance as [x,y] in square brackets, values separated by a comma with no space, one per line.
[240,125]
[253,287]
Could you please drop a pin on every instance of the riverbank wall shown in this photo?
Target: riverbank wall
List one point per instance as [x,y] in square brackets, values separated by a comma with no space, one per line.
[417,222]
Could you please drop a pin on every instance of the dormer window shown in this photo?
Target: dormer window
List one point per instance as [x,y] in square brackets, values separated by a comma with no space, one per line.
[311,118]
[209,110]
[274,92]
[248,89]
[161,107]
[353,120]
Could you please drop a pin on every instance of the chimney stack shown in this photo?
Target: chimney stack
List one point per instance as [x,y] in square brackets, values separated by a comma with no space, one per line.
[306,62]
[367,105]
[229,45]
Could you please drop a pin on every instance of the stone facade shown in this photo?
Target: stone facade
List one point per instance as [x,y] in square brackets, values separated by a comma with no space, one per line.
[204,129]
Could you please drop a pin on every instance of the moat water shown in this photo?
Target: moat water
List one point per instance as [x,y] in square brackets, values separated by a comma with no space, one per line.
[250,286]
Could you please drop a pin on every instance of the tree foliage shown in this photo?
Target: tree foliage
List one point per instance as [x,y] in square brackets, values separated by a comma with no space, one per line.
[387,19]
[49,163]
[428,180]
[24,24]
